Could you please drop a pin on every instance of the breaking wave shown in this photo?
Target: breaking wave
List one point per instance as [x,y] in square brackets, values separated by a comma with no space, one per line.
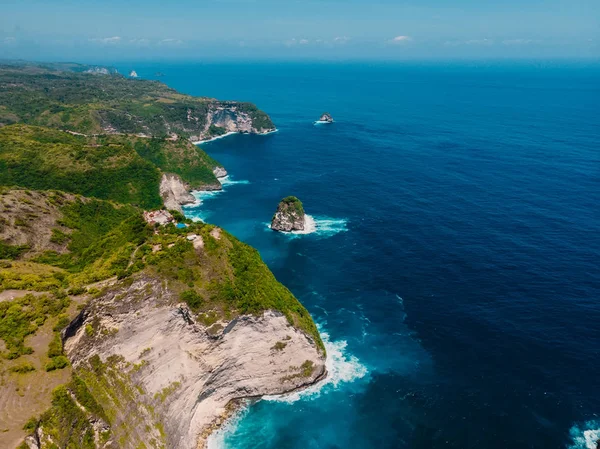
[229,181]
[341,368]
[195,212]
[320,226]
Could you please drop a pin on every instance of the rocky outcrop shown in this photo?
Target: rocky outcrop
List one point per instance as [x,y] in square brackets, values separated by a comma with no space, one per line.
[289,216]
[155,361]
[326,118]
[220,172]
[231,117]
[175,192]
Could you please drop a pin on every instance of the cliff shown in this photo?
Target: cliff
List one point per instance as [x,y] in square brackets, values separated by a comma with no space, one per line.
[289,215]
[127,169]
[163,329]
[94,104]
[176,374]
[114,333]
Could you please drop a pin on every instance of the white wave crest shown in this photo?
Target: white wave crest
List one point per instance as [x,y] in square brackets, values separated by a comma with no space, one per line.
[229,181]
[320,226]
[216,440]
[341,368]
[586,436]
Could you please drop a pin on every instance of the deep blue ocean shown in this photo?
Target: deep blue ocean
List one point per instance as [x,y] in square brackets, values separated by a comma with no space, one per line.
[455,266]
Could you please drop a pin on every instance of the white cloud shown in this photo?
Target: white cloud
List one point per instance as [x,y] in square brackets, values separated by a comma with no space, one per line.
[171,42]
[139,41]
[303,41]
[9,40]
[341,39]
[107,40]
[400,40]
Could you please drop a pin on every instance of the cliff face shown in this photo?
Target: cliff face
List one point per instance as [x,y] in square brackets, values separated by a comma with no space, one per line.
[91,104]
[144,355]
[289,215]
[176,193]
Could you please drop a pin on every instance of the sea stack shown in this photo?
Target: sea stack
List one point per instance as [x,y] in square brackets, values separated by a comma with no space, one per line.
[289,216]
[326,118]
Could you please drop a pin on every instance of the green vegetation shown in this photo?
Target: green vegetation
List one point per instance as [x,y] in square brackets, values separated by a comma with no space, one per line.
[11,251]
[22,368]
[22,317]
[59,362]
[106,168]
[294,203]
[214,130]
[69,422]
[228,276]
[180,157]
[305,370]
[92,189]
[279,346]
[95,104]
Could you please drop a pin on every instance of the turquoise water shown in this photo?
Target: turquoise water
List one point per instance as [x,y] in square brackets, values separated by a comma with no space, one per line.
[454,268]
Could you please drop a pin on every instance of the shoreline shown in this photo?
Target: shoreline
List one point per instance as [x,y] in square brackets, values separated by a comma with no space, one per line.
[231,133]
[235,405]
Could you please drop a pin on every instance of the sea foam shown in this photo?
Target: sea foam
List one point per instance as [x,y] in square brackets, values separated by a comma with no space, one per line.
[194,212]
[341,368]
[229,181]
[585,436]
[320,226]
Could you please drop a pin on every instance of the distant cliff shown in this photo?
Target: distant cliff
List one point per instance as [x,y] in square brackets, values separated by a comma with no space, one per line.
[96,103]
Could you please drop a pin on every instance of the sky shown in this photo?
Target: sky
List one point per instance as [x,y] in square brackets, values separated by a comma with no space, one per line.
[98,30]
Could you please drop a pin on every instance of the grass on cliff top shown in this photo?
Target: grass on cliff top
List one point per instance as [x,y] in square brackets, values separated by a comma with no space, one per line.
[107,239]
[124,169]
[180,157]
[294,203]
[92,104]
[106,168]
[225,275]
[23,316]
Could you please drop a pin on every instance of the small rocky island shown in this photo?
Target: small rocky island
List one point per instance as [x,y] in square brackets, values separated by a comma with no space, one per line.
[289,216]
[325,118]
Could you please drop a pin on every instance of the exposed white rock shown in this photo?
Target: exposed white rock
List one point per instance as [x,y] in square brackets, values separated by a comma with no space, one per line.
[248,357]
[175,192]
[220,172]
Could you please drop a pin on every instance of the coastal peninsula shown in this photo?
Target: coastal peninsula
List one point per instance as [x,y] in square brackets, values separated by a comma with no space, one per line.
[127,330]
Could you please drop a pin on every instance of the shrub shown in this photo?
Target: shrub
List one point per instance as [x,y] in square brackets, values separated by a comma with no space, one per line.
[192,299]
[59,362]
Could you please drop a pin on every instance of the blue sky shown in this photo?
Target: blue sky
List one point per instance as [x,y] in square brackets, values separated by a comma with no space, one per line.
[291,29]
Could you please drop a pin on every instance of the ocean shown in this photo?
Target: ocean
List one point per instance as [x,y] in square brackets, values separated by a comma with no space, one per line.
[454,267]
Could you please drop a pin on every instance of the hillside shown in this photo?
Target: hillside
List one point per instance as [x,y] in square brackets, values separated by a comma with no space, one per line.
[117,333]
[126,169]
[92,103]
[70,251]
